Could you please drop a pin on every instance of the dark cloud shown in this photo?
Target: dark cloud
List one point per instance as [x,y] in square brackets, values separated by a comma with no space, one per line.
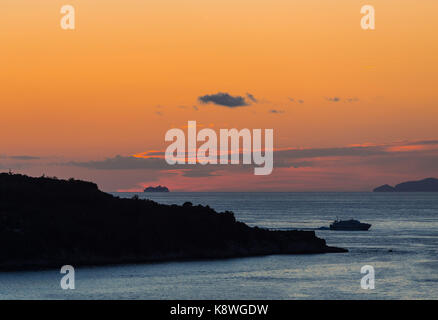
[18,162]
[426,162]
[155,160]
[282,158]
[275,111]
[251,97]
[291,163]
[359,151]
[338,99]
[303,164]
[383,156]
[154,164]
[334,99]
[21,157]
[425,142]
[224,99]
[123,163]
[293,100]
[204,171]
[24,158]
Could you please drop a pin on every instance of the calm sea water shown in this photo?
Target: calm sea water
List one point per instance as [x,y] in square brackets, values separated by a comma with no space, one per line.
[402,246]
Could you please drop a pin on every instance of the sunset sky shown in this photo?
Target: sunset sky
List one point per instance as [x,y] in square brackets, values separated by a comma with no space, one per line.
[351,108]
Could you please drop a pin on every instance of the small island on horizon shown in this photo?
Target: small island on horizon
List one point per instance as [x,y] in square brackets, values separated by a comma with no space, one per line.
[425,185]
[156,189]
[47,222]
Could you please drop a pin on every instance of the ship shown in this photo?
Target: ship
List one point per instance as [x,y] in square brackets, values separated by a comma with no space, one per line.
[349,225]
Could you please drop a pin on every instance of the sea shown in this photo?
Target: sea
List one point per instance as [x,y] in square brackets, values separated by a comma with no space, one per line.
[396,259]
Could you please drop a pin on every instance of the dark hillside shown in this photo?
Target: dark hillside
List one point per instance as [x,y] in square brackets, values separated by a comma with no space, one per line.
[45,222]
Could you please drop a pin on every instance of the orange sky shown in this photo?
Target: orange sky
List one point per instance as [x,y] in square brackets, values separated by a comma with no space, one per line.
[134,69]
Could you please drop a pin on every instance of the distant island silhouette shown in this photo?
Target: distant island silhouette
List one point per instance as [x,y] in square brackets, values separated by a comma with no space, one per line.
[46,222]
[425,185]
[156,189]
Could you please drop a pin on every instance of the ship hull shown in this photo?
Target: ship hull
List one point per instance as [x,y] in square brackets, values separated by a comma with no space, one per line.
[362,227]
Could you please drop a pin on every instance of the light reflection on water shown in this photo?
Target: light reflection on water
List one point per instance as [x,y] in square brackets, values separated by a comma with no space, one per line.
[402,245]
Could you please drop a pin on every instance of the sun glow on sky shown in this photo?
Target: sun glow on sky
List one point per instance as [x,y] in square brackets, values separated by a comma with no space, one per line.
[134,69]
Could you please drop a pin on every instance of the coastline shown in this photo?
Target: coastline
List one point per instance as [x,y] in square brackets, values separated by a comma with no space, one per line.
[49,223]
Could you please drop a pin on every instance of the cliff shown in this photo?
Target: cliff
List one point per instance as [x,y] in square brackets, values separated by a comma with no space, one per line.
[425,185]
[45,222]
